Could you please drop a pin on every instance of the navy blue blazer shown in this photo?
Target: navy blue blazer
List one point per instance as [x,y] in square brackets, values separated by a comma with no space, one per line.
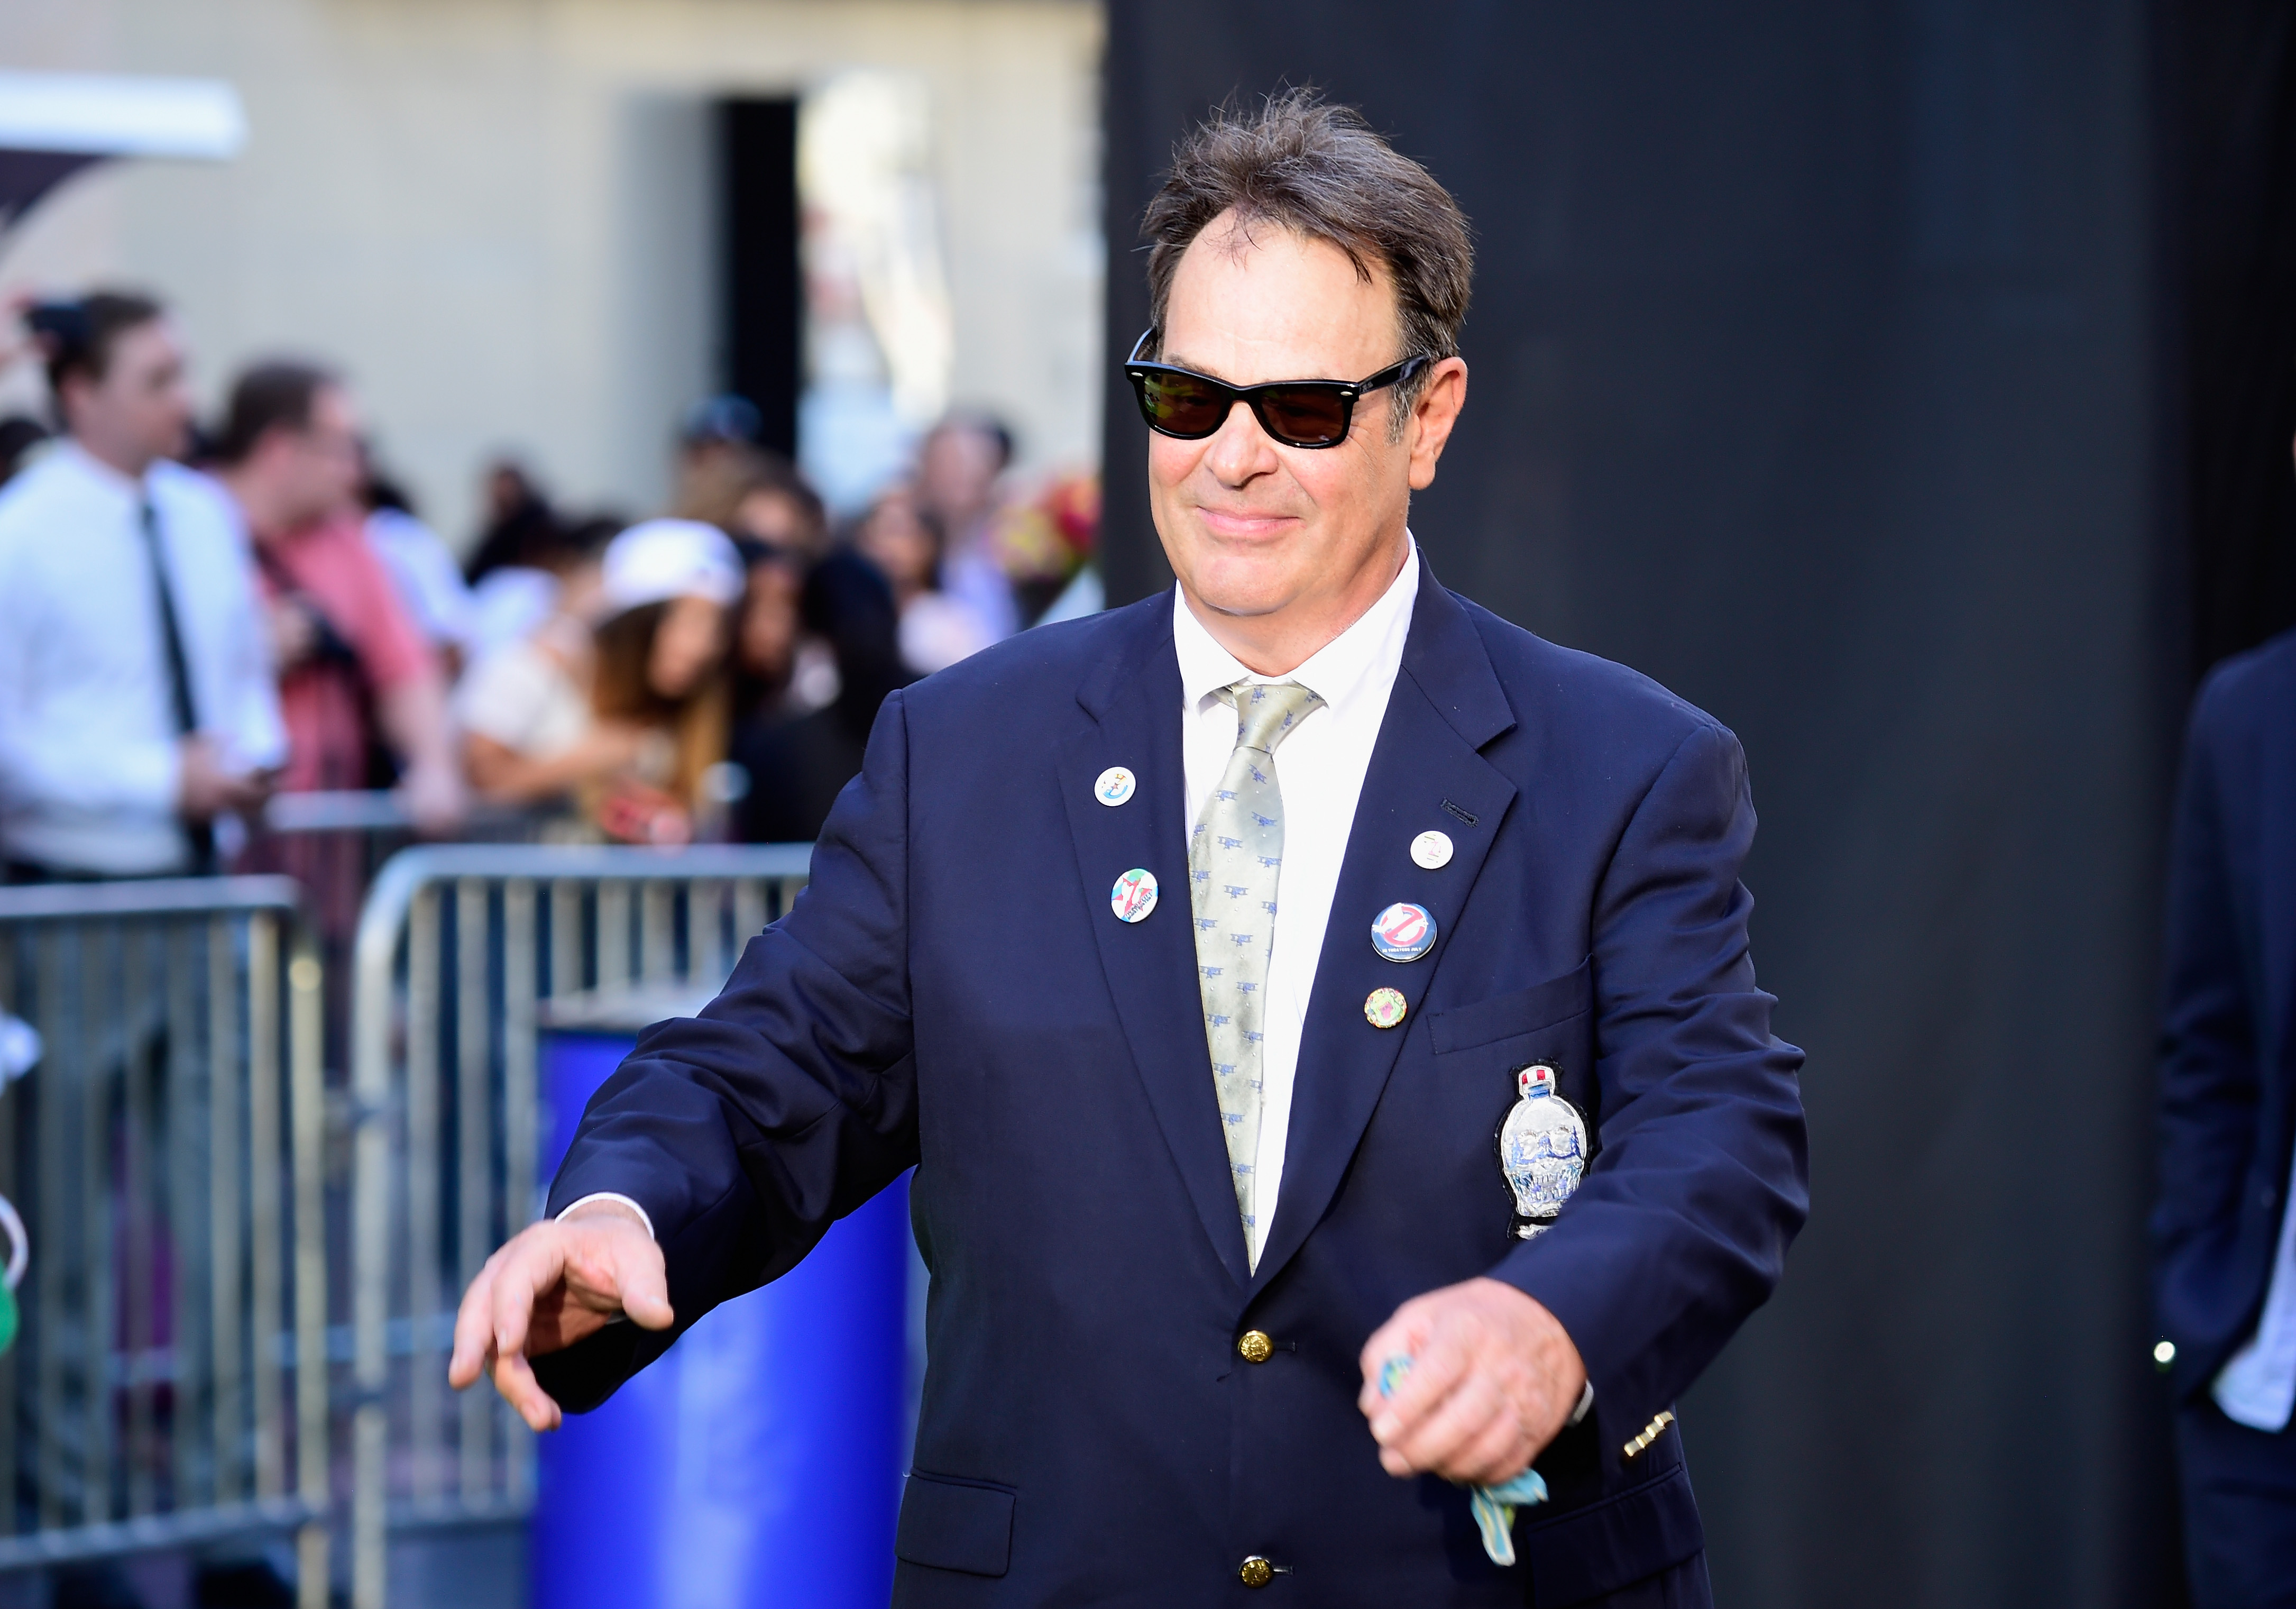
[2228,1040]
[952,992]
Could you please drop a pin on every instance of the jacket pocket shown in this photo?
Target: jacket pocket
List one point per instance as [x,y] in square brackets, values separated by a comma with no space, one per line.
[1593,1552]
[948,1523]
[1509,1016]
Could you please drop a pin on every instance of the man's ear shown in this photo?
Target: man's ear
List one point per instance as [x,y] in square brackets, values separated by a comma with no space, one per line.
[1433,415]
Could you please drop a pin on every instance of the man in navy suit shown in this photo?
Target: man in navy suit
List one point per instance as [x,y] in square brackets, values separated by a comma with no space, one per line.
[1197,1167]
[2226,1237]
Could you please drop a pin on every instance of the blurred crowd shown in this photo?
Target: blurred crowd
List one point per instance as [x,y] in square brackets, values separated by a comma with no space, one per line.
[195,620]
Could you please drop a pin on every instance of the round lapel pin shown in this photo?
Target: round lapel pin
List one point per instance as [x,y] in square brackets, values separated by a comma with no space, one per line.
[1385,1007]
[1403,932]
[1114,785]
[1134,895]
[1431,850]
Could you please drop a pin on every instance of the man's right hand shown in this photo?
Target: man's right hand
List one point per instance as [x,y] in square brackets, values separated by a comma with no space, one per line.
[557,1282]
[206,788]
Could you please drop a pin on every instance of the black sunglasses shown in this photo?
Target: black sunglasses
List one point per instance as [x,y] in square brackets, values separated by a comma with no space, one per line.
[1183,404]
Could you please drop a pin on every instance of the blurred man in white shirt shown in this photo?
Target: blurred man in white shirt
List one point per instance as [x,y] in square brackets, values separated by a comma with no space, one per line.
[137,705]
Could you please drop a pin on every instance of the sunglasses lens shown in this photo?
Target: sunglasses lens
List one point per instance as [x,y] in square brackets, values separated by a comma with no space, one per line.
[1305,415]
[1181,403]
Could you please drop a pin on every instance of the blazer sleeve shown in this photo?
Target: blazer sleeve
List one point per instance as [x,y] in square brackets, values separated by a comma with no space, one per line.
[2210,1086]
[745,1132]
[1680,1228]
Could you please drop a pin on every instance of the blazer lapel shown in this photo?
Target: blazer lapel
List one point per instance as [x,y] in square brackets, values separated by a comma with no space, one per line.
[1426,771]
[1134,700]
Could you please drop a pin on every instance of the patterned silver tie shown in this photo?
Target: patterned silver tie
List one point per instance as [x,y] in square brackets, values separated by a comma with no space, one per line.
[1233,857]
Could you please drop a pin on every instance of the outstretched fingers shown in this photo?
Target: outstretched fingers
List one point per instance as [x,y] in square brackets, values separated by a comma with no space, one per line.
[528,1268]
[553,1285]
[532,1267]
[514,1379]
[473,1329]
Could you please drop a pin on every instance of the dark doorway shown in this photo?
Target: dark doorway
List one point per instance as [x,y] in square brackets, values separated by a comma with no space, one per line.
[761,290]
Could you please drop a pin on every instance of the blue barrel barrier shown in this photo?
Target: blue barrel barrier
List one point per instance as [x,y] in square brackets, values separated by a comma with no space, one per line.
[757,1464]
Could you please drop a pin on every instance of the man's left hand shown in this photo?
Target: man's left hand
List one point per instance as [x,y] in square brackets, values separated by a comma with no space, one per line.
[1493,1377]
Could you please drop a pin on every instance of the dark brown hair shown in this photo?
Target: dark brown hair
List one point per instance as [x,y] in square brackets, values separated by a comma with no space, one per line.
[78,337]
[623,689]
[1319,169]
[271,396]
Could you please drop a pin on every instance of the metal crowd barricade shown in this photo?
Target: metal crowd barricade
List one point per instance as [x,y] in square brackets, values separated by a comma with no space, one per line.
[459,945]
[335,844]
[169,1385]
[380,815]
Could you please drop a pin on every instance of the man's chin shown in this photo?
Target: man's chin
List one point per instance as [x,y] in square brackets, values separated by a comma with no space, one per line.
[1245,586]
[1243,602]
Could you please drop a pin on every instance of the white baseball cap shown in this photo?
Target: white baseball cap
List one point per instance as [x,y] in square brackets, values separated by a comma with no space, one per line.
[657,560]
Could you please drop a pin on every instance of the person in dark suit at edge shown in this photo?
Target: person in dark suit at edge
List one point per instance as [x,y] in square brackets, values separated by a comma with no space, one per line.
[2225,1237]
[1230,1294]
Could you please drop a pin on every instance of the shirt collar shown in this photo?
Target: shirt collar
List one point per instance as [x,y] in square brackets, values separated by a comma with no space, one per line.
[94,469]
[1337,671]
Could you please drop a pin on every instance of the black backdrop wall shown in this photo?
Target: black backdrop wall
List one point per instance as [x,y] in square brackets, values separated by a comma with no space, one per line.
[2229,219]
[1825,365]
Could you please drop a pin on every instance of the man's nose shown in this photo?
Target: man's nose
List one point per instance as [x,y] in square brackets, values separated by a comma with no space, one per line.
[1240,449]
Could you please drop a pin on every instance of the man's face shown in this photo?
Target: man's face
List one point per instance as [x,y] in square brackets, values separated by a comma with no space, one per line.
[957,471]
[140,410]
[315,472]
[1254,528]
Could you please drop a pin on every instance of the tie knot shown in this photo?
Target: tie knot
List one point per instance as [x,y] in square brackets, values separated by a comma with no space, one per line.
[1269,712]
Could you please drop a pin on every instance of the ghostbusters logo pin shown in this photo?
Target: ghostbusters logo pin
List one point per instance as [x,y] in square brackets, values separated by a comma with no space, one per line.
[1403,932]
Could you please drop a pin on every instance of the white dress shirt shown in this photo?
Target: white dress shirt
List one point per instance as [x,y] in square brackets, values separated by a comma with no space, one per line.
[2258,1388]
[89,750]
[1320,768]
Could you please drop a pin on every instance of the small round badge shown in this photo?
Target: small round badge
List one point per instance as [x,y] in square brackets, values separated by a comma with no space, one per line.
[1431,850]
[1384,1007]
[1403,932]
[1134,895]
[1113,786]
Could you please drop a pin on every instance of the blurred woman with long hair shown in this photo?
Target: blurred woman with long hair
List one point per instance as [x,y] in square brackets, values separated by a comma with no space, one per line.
[632,721]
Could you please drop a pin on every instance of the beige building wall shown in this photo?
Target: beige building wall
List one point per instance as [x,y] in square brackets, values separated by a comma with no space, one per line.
[497,214]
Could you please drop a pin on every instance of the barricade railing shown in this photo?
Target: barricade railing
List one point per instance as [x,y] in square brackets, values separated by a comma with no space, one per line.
[382,812]
[459,948]
[335,844]
[169,1385]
